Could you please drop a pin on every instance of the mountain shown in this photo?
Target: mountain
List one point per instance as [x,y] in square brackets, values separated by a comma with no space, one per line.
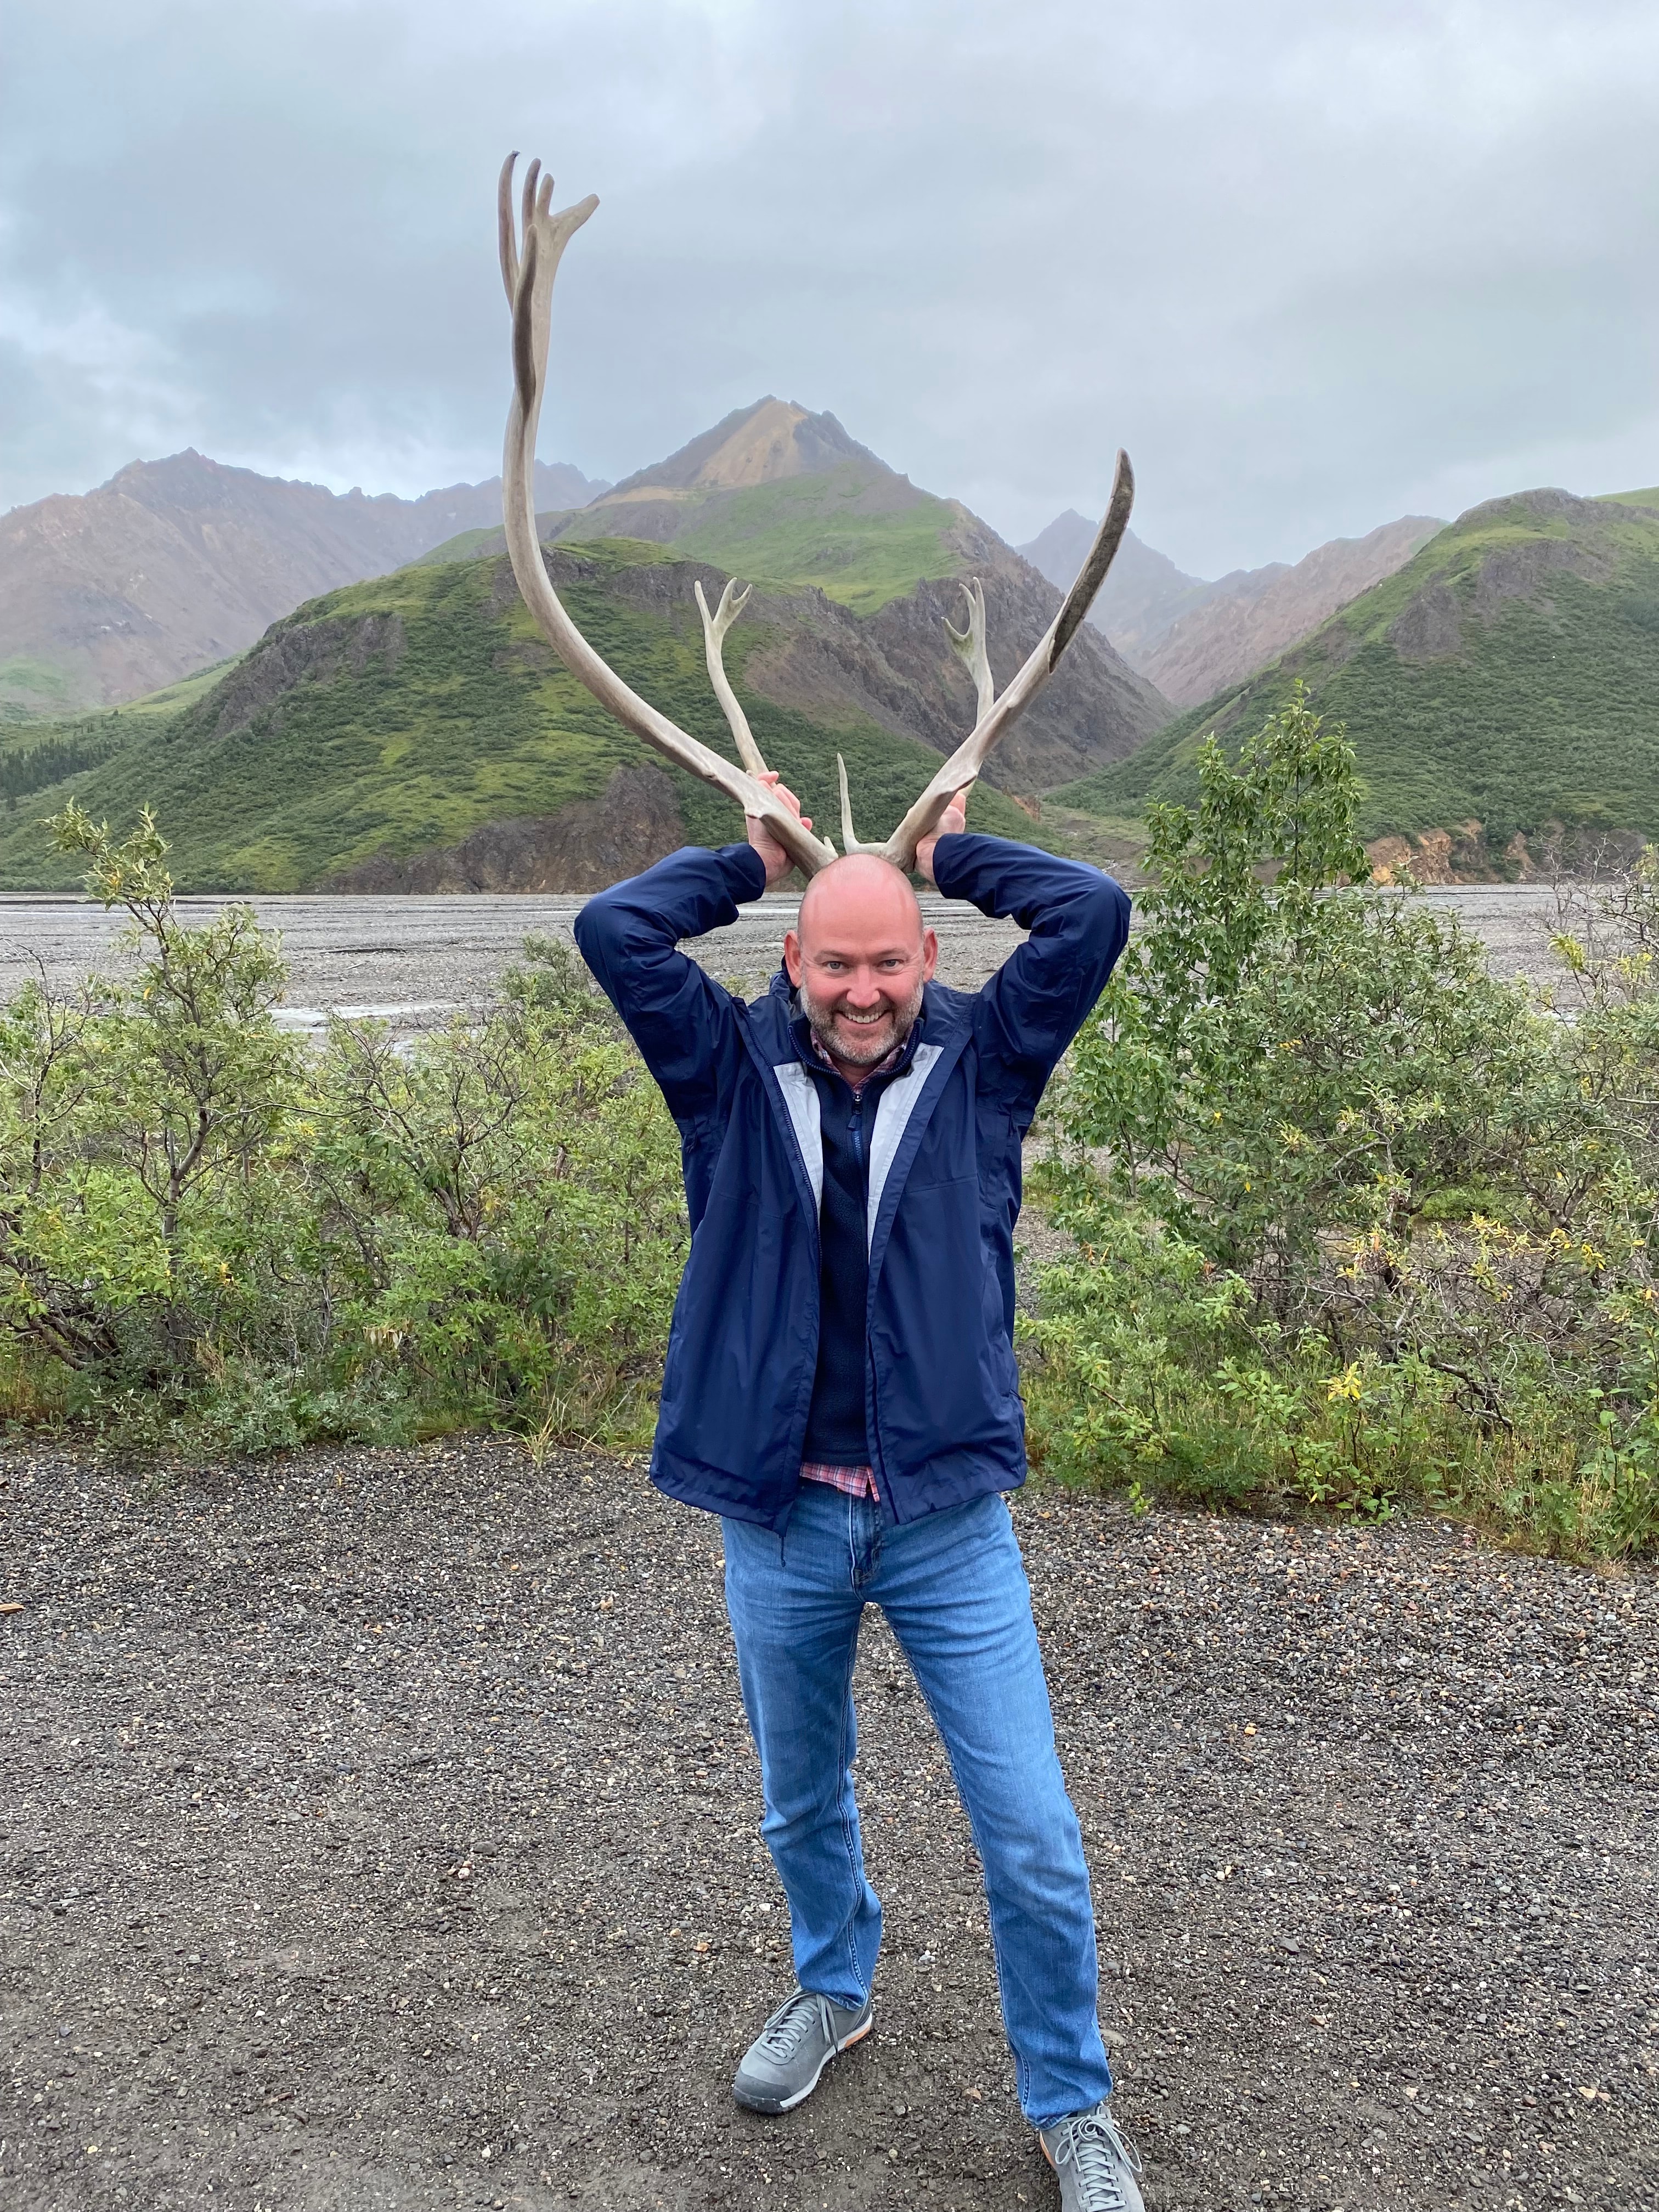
[416,734]
[175,564]
[1191,638]
[1142,596]
[784,496]
[1249,618]
[1505,680]
[787,500]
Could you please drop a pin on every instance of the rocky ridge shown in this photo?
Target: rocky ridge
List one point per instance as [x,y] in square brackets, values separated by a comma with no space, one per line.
[175,564]
[1192,639]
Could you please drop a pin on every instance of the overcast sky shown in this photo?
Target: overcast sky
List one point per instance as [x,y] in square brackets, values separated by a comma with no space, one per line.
[1315,263]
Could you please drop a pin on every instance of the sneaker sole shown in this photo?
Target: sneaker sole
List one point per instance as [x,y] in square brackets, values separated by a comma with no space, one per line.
[772,2106]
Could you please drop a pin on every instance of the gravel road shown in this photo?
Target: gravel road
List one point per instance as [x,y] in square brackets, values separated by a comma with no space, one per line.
[378,1833]
[414,961]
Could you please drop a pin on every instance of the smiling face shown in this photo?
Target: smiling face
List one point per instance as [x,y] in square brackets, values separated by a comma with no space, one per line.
[859,957]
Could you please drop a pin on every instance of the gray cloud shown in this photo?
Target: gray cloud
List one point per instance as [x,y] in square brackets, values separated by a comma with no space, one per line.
[1314,263]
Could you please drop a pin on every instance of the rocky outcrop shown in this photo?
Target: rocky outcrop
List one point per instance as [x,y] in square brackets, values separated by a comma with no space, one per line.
[301,653]
[1430,627]
[635,823]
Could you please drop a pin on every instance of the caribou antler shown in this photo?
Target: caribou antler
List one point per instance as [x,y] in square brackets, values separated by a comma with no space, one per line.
[964,766]
[714,628]
[531,250]
[849,843]
[970,647]
[529,261]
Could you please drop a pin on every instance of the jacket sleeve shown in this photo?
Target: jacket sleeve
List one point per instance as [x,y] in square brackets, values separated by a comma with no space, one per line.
[1038,999]
[683,1023]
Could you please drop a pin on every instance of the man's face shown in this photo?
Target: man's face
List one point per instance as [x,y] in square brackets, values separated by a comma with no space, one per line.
[860,959]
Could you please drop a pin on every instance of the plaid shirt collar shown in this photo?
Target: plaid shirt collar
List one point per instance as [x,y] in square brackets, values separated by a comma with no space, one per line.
[881,1067]
[808,1037]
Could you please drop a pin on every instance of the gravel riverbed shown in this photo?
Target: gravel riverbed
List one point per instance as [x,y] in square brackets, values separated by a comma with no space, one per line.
[416,962]
[378,1830]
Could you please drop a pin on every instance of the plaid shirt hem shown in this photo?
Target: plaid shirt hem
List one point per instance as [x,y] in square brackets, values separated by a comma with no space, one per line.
[855,1481]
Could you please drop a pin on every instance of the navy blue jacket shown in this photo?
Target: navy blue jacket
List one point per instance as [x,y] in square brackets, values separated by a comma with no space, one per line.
[944,1420]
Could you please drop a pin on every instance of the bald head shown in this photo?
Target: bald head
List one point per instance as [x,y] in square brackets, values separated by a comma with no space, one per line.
[859,956]
[864,892]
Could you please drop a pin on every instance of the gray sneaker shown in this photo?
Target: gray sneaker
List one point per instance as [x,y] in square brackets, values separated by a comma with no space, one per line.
[781,2066]
[1095,2165]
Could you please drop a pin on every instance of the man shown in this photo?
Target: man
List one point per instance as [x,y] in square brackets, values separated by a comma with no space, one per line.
[841,1388]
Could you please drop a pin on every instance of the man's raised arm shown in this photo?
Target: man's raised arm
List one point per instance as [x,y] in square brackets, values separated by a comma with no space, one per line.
[1078,920]
[681,1019]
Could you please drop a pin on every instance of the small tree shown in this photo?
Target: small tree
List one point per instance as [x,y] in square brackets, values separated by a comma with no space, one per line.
[184,1087]
[1281,1052]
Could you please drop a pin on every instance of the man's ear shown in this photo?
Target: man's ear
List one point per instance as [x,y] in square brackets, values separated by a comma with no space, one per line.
[791,960]
[929,954]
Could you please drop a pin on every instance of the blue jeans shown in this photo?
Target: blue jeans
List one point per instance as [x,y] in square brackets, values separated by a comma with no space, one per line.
[954,1589]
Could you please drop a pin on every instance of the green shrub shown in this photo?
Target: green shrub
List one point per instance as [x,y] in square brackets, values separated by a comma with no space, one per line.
[212,1238]
[1357,1223]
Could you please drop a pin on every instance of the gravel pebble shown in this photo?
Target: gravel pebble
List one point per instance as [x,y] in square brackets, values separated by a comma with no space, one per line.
[378,1830]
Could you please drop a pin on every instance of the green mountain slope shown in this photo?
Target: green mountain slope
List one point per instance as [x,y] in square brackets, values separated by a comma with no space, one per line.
[836,532]
[860,541]
[35,756]
[416,732]
[1508,675]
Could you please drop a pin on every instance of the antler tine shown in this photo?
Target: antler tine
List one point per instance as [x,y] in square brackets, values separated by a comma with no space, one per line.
[509,236]
[527,205]
[849,843]
[969,757]
[545,235]
[714,628]
[969,645]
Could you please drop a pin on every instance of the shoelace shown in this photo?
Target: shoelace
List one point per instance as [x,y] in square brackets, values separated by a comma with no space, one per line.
[1092,2144]
[793,2019]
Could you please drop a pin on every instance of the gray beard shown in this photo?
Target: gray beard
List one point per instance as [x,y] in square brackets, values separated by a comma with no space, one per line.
[822,1026]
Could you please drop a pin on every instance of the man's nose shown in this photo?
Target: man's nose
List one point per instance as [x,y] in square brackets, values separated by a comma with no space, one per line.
[865,991]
